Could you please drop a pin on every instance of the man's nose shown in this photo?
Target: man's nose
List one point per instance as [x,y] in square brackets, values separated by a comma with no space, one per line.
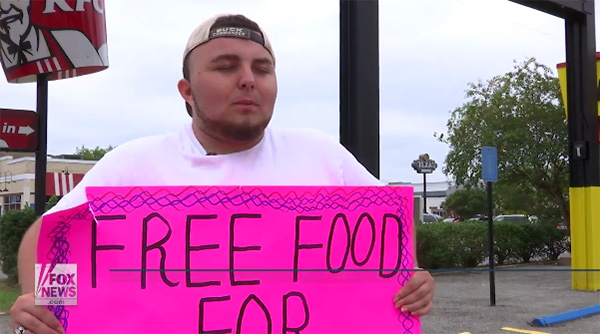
[247,80]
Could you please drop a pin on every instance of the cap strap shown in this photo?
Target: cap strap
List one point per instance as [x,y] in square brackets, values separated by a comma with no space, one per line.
[237,32]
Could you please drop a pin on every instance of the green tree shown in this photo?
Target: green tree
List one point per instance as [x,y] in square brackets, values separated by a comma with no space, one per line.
[466,203]
[51,202]
[520,198]
[521,114]
[514,198]
[92,153]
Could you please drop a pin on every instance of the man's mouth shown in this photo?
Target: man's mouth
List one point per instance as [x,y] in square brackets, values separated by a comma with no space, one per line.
[247,102]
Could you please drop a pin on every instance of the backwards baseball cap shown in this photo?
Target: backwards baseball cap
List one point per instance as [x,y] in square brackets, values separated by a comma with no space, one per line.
[205,32]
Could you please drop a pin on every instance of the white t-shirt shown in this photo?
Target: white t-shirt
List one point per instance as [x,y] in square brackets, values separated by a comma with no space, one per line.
[283,157]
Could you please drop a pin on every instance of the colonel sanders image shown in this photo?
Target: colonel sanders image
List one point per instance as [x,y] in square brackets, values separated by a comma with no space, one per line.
[35,50]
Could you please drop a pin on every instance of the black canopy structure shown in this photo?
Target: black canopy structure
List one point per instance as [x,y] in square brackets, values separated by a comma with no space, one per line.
[359,111]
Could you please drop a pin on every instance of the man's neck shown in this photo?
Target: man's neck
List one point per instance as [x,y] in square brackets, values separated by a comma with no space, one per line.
[218,146]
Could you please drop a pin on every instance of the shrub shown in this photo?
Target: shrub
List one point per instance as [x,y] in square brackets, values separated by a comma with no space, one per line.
[13,225]
[434,249]
[554,241]
[460,245]
[530,241]
[506,241]
[472,243]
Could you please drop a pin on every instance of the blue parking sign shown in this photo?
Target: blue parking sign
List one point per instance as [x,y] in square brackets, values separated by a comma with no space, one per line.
[489,164]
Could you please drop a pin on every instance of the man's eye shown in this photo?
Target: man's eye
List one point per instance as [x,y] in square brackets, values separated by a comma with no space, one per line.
[263,69]
[225,68]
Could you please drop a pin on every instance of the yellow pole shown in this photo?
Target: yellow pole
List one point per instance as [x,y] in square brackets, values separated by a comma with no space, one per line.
[585,217]
[585,237]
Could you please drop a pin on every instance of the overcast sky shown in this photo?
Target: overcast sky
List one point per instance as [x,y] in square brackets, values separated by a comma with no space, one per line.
[429,51]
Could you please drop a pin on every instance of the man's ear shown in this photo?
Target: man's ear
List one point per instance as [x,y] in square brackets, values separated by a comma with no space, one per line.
[185,90]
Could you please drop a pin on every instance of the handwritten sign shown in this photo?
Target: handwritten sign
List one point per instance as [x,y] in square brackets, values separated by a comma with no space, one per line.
[235,259]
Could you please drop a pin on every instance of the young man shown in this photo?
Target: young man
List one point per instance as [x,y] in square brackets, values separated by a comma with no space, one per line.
[230,89]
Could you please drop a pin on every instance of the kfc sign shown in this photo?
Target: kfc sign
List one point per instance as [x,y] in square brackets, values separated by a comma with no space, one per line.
[64,6]
[64,38]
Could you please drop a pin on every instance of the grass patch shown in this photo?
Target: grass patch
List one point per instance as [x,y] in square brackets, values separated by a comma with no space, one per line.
[8,294]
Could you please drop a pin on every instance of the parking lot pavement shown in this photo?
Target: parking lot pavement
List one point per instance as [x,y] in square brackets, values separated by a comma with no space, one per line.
[462,302]
[5,324]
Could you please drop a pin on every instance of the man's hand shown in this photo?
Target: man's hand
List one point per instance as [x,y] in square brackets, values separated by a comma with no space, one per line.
[416,297]
[35,319]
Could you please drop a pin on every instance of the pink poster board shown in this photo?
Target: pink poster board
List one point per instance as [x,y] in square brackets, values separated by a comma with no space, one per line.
[235,259]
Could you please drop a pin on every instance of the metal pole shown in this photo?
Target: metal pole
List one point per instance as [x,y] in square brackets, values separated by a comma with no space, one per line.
[424,193]
[491,245]
[359,80]
[41,152]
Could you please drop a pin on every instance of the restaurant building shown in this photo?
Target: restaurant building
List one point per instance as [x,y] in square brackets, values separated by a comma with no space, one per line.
[17,177]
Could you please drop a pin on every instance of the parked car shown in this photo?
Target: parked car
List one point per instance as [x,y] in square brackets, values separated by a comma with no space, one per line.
[517,218]
[429,218]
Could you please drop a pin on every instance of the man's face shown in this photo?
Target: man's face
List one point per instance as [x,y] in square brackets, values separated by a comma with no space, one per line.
[14,19]
[233,88]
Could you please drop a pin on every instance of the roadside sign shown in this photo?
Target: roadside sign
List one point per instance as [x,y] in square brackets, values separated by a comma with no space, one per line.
[424,165]
[62,39]
[489,164]
[18,130]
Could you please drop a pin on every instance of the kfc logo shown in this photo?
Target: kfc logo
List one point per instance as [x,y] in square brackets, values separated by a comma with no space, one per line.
[64,6]
[60,37]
